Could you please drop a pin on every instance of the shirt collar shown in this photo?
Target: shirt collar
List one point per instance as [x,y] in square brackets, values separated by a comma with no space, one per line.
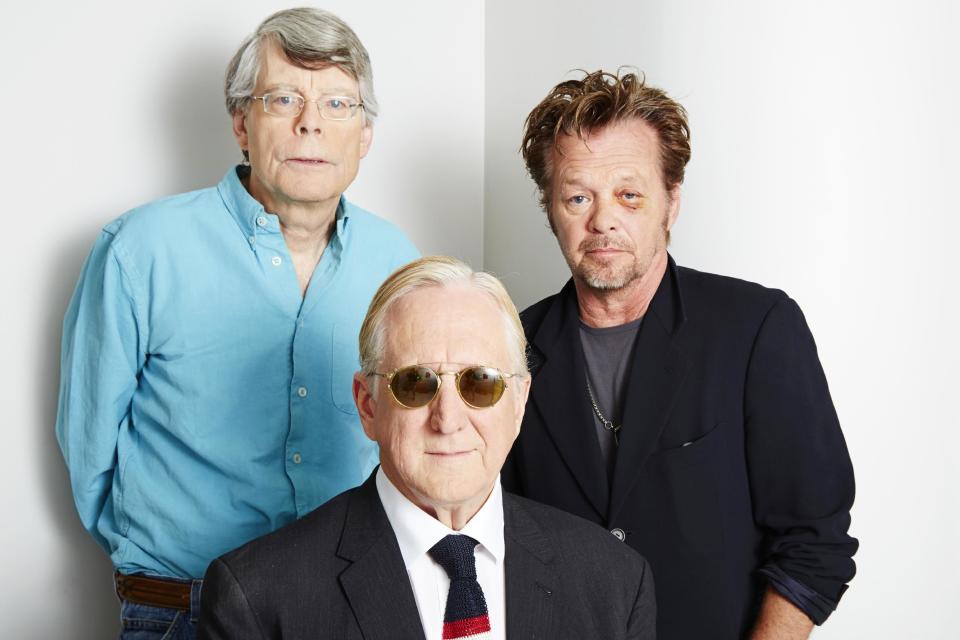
[250,214]
[417,531]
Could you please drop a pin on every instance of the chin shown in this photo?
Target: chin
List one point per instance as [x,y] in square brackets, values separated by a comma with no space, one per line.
[451,491]
[606,280]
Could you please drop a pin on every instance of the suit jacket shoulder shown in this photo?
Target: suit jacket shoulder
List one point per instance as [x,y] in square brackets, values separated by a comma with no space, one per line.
[710,293]
[337,570]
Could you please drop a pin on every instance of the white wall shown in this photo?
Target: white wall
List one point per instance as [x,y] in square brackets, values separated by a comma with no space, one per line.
[825,151]
[825,159]
[126,105]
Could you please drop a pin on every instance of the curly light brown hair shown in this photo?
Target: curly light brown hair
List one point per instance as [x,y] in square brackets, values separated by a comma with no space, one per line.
[577,107]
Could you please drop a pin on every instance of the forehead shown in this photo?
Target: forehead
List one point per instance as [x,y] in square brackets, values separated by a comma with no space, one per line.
[625,147]
[277,72]
[446,324]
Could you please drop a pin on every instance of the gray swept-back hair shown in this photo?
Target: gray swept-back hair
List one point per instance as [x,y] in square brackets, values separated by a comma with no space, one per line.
[310,38]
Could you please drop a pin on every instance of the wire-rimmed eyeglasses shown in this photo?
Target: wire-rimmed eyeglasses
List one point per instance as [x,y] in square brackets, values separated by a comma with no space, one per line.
[288,104]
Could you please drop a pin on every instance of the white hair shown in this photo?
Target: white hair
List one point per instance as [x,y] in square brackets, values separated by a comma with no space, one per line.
[436,271]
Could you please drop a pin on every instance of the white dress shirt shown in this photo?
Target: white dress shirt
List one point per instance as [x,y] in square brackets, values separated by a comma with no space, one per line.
[417,532]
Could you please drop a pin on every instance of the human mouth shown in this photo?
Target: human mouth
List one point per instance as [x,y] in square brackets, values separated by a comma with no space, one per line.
[449,455]
[602,249]
[307,161]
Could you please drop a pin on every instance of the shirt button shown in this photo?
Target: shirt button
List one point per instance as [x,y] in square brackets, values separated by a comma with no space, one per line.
[276,261]
[619,534]
[252,239]
[261,221]
[302,392]
[297,459]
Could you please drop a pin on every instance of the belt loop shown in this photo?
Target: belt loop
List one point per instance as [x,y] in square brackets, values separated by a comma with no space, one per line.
[195,587]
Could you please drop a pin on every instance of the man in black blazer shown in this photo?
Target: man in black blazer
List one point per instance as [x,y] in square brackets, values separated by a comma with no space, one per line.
[685,412]
[430,546]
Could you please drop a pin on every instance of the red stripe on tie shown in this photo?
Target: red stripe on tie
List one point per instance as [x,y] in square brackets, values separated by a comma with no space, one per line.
[466,627]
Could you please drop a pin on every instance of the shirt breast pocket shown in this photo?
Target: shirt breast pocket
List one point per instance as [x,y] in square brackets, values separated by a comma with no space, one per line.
[345,361]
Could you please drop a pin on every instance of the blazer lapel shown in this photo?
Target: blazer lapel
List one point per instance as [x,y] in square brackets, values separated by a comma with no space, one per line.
[559,393]
[376,583]
[530,581]
[658,371]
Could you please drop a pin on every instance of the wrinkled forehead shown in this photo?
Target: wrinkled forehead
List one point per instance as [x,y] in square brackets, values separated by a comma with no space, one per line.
[446,324]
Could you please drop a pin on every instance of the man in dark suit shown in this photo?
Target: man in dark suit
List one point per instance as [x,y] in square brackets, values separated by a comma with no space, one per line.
[685,412]
[429,546]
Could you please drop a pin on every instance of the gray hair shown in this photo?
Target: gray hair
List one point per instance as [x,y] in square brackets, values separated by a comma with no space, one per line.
[436,271]
[310,38]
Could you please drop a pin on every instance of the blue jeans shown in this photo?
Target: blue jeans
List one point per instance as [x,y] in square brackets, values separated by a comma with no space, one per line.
[144,622]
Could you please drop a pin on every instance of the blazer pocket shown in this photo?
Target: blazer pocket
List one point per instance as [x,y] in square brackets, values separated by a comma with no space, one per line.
[689,444]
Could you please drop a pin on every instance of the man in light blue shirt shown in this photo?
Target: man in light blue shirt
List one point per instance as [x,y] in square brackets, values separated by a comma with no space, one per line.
[208,351]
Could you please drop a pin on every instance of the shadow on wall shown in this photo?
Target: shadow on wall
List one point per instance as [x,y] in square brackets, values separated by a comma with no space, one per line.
[201,143]
[85,579]
[200,151]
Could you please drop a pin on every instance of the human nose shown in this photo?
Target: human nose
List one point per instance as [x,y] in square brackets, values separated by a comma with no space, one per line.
[604,216]
[447,411]
[310,120]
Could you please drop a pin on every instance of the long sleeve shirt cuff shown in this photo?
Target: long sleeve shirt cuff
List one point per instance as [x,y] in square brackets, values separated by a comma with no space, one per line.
[817,607]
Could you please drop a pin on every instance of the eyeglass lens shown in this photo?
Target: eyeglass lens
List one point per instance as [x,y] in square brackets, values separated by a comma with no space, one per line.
[291,105]
[416,386]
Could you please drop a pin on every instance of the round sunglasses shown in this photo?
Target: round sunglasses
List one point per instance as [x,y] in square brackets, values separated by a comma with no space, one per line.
[416,385]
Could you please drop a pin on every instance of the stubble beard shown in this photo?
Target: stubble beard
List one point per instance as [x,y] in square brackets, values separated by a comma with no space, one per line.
[610,274]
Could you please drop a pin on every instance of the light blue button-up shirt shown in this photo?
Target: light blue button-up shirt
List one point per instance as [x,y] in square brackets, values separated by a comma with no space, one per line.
[203,400]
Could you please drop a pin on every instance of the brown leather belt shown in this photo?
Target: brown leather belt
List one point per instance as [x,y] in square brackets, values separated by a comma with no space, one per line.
[155,592]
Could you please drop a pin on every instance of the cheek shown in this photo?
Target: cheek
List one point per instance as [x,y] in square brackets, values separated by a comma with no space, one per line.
[498,439]
[401,445]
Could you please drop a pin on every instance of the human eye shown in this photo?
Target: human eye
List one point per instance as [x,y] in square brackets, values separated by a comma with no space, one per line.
[577,200]
[338,104]
[283,102]
[631,197]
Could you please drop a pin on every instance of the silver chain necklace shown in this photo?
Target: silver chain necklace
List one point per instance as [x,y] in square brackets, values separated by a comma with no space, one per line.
[607,424]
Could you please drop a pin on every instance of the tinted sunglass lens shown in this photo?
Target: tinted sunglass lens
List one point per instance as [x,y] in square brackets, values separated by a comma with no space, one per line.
[481,386]
[414,386]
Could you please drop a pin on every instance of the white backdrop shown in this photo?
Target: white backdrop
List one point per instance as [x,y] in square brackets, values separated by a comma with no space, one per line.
[826,139]
[825,142]
[125,104]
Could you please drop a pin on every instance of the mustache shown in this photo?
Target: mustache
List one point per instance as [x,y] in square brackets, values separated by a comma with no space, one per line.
[594,244]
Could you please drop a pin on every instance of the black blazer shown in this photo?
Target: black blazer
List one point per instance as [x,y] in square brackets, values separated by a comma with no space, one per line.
[732,470]
[338,574]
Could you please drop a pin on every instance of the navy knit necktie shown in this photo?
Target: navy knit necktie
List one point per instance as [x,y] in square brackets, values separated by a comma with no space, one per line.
[466,612]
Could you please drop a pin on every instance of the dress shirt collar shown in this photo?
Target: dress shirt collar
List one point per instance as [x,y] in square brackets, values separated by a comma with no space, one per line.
[417,531]
[250,214]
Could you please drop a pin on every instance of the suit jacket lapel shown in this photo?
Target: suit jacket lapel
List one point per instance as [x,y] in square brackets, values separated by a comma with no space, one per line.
[376,583]
[559,393]
[659,368]
[530,580]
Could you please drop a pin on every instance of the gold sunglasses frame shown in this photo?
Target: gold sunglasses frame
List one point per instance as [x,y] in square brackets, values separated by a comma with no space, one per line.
[388,377]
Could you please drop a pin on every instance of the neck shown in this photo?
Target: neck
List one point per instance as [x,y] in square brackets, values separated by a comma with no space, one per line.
[306,226]
[610,308]
[453,516]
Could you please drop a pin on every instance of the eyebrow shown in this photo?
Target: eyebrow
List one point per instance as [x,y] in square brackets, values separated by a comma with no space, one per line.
[582,180]
[332,91]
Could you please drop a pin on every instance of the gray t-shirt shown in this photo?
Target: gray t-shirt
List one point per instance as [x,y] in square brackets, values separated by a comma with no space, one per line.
[608,353]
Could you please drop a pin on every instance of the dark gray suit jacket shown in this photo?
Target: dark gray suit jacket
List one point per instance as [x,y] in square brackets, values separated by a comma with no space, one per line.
[338,573]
